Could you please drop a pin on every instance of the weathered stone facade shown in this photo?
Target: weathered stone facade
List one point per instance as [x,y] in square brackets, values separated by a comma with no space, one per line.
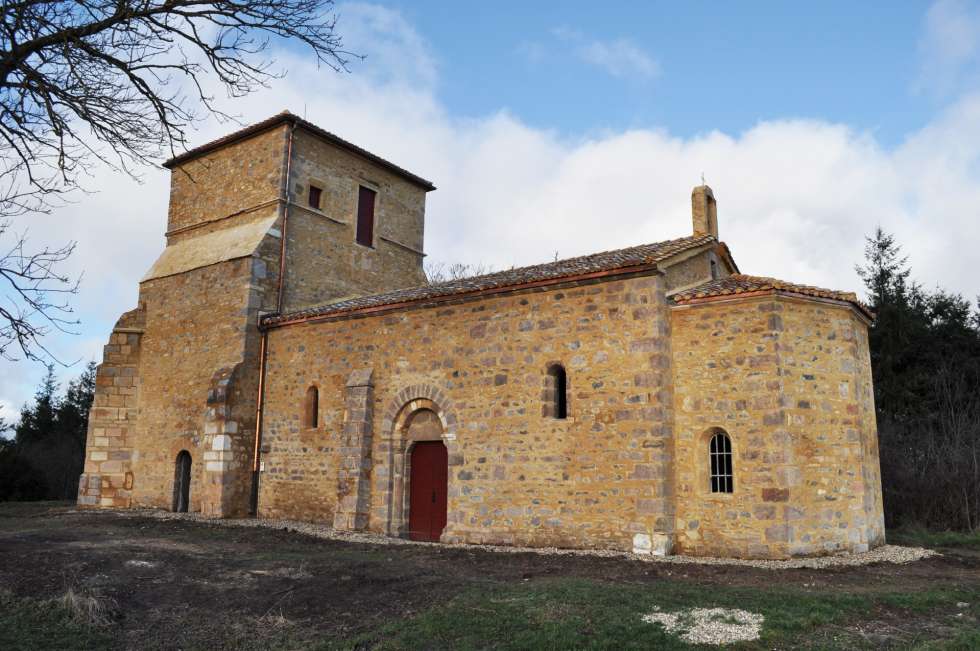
[789,380]
[263,308]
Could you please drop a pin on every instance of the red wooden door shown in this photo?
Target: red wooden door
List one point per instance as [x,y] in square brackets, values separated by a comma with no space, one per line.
[428,484]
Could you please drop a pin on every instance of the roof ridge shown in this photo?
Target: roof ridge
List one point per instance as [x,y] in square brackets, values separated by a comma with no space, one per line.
[604,261]
[706,237]
[286,116]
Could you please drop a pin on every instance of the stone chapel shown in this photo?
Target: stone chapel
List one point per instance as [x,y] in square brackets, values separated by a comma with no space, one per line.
[288,359]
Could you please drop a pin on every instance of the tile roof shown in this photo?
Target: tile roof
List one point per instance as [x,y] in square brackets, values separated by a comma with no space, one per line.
[645,254]
[744,284]
[287,117]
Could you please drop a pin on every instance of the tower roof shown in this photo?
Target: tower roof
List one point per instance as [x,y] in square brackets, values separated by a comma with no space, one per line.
[288,118]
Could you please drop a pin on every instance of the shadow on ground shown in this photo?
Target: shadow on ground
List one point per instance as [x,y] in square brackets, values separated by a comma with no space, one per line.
[169,584]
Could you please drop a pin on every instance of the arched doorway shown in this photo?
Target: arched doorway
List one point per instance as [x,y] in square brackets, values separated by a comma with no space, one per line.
[419,426]
[428,484]
[182,482]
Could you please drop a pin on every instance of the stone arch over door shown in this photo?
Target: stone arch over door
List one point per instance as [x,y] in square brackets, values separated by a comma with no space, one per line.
[417,413]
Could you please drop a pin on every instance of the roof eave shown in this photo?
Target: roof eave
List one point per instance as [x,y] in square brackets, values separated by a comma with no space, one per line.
[288,118]
[859,308]
[726,253]
[277,321]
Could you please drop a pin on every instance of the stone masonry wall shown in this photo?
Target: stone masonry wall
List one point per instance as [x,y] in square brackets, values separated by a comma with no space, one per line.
[324,261]
[196,355]
[107,478]
[783,377]
[829,409]
[200,325]
[596,479]
[226,181]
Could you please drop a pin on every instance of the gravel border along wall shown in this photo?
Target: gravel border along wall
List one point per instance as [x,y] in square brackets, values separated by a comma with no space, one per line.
[883,554]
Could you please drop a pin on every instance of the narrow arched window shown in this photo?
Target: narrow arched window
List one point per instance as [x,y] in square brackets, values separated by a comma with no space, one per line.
[311,407]
[182,482]
[556,392]
[720,455]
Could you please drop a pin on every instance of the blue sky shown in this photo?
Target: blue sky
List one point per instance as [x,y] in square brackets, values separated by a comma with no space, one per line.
[583,127]
[722,66]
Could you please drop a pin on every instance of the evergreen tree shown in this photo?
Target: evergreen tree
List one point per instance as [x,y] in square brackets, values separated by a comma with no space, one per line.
[72,427]
[925,357]
[74,408]
[37,421]
[45,458]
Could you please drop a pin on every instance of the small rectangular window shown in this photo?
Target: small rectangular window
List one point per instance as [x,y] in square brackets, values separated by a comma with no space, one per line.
[365,216]
[314,198]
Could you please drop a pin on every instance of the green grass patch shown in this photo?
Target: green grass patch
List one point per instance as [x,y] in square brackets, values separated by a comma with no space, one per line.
[32,624]
[922,537]
[583,614]
[966,640]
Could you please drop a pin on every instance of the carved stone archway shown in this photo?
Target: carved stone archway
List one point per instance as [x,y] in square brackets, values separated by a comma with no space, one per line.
[399,437]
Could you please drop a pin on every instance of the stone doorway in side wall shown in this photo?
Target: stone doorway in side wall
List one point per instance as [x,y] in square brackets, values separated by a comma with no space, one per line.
[182,482]
[428,484]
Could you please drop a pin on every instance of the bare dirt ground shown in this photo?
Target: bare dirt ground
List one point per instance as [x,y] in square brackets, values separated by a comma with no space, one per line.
[184,584]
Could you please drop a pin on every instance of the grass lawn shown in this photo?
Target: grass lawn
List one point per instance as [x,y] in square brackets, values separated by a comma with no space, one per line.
[577,614]
[141,582]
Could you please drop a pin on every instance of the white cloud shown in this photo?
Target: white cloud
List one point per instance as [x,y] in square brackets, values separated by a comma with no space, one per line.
[619,57]
[9,413]
[949,47]
[394,51]
[795,196]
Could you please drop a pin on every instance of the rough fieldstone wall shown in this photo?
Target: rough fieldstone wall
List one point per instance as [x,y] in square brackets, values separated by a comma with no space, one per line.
[196,357]
[787,379]
[354,472]
[199,370]
[107,478]
[228,180]
[229,425]
[324,261]
[874,509]
[829,408]
[596,479]
[195,326]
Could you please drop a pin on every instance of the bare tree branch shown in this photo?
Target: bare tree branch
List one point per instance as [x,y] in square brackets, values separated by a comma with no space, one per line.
[33,298]
[130,75]
[120,82]
[441,272]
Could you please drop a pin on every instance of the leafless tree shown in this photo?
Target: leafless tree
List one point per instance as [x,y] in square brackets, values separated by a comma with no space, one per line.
[441,272]
[34,297]
[931,465]
[121,82]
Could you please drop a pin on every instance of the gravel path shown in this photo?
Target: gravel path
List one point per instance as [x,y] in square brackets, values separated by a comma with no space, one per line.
[883,554]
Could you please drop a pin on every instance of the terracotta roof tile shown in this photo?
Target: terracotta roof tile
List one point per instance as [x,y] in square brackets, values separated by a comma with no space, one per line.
[743,284]
[287,117]
[645,254]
